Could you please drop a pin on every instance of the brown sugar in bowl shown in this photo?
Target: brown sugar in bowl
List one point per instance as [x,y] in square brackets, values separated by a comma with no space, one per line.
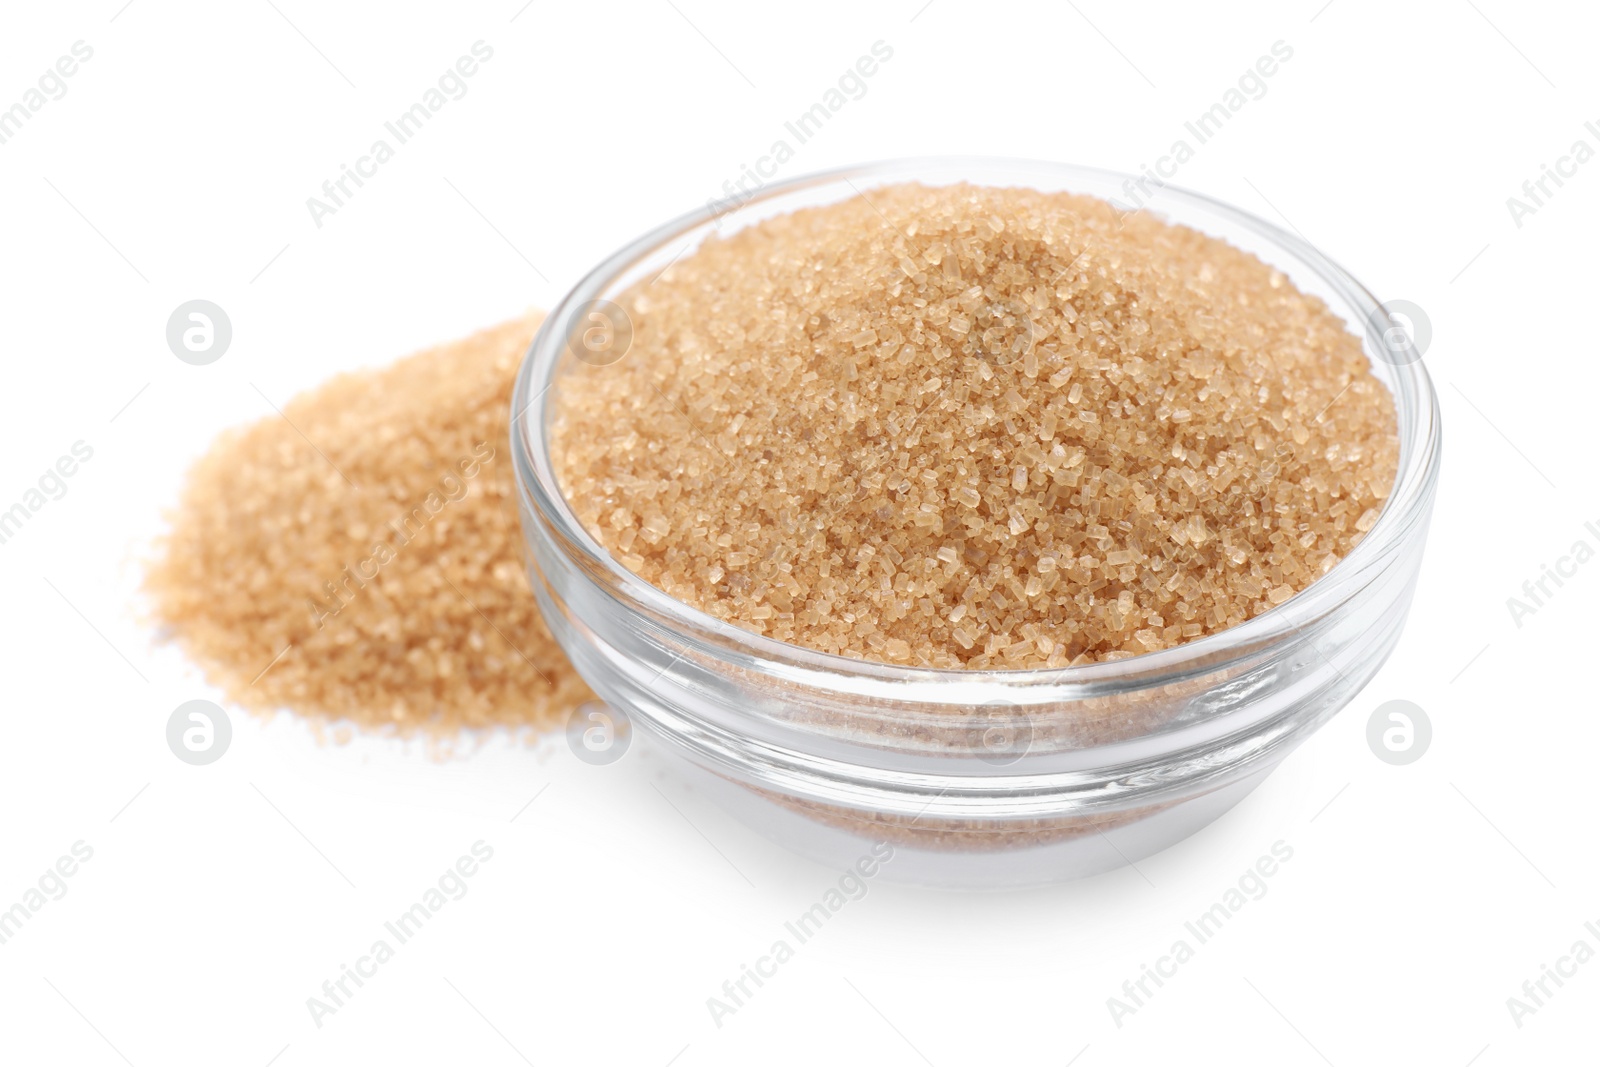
[1088,753]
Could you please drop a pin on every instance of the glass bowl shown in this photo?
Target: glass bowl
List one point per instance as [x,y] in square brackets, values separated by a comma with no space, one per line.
[974,778]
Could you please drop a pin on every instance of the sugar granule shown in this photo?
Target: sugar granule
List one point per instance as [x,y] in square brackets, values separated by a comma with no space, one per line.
[357,559]
[977,427]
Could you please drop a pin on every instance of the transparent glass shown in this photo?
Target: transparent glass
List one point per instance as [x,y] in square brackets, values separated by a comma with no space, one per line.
[976,778]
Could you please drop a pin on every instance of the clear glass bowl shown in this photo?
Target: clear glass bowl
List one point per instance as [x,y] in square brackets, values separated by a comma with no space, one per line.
[975,778]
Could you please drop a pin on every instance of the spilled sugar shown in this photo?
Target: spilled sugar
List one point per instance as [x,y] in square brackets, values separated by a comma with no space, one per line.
[356,560]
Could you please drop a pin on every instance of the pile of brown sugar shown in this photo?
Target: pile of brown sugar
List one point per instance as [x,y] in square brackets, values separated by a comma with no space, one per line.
[356,558]
[977,427]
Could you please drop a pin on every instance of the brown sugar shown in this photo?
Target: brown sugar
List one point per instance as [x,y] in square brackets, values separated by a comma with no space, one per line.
[977,427]
[357,558]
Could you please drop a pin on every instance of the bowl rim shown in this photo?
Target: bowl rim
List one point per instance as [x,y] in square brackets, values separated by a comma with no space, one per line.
[1405,510]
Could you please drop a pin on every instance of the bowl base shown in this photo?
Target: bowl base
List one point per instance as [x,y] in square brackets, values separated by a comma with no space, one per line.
[1062,859]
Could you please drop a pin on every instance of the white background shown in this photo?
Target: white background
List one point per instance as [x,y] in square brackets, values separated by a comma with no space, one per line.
[219,898]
